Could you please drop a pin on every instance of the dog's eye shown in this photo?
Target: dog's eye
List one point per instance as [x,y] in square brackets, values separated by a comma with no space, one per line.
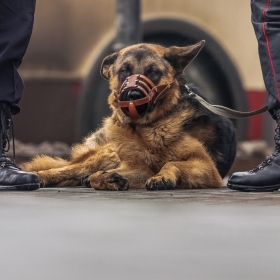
[153,71]
[123,74]
[153,74]
[124,71]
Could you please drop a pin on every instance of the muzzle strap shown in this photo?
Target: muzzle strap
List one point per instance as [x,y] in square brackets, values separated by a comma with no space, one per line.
[160,90]
[131,105]
[144,85]
[132,111]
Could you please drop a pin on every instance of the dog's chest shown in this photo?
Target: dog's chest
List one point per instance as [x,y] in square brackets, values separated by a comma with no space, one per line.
[161,135]
[154,146]
[156,158]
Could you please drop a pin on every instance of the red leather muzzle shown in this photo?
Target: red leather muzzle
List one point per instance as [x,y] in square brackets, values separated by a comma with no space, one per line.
[146,94]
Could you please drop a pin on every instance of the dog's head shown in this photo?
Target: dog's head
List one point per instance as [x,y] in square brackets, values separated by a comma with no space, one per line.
[143,77]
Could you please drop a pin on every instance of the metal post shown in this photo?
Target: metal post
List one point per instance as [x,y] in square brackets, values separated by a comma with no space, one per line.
[127,23]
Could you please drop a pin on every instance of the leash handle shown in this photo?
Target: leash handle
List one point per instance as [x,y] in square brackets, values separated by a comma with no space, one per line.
[225,111]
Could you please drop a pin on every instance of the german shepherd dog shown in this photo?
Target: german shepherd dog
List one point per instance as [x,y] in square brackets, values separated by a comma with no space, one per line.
[158,136]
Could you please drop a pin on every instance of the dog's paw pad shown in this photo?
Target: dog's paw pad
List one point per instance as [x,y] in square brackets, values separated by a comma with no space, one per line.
[103,180]
[120,182]
[159,183]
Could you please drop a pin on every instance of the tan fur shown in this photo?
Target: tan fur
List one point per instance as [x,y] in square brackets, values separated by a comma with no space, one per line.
[152,152]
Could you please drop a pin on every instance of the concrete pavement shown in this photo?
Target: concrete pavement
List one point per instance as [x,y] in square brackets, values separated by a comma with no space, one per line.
[185,234]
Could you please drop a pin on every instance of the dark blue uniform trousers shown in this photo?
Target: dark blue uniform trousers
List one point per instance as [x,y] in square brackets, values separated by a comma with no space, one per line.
[16,23]
[266,23]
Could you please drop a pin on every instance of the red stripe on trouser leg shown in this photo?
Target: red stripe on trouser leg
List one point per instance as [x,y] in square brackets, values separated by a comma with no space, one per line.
[269,49]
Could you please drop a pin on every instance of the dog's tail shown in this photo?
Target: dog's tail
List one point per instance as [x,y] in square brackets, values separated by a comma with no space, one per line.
[43,162]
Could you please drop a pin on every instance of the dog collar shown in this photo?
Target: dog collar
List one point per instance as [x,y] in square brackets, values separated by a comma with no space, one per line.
[151,94]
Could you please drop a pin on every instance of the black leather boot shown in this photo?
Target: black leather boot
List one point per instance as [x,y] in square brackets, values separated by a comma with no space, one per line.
[11,177]
[264,177]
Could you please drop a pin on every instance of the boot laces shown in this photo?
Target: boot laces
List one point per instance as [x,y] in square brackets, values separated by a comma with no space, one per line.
[269,159]
[6,134]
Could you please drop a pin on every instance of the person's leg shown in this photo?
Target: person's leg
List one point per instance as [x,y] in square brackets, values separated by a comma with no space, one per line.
[266,23]
[16,22]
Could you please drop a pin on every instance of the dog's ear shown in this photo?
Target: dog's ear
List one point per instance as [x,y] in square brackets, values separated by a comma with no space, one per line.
[180,57]
[106,63]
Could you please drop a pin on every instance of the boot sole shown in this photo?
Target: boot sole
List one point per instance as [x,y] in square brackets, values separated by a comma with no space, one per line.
[243,188]
[27,187]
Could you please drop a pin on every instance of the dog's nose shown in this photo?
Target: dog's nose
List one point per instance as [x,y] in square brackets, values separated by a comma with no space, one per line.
[134,94]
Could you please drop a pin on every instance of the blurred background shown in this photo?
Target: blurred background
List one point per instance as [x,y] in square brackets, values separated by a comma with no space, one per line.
[65,97]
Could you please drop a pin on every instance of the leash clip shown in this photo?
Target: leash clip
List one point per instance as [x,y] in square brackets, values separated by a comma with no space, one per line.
[190,92]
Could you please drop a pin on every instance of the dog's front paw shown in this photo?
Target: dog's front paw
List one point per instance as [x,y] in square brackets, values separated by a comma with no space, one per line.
[108,181]
[159,183]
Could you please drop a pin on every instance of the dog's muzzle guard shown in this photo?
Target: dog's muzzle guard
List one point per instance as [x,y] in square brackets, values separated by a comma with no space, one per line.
[145,89]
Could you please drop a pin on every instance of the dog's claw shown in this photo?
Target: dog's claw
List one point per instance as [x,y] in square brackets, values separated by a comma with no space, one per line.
[42,184]
[85,181]
[159,184]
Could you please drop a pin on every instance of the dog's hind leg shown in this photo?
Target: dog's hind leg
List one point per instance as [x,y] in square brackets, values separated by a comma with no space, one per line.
[193,173]
[71,174]
[43,162]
